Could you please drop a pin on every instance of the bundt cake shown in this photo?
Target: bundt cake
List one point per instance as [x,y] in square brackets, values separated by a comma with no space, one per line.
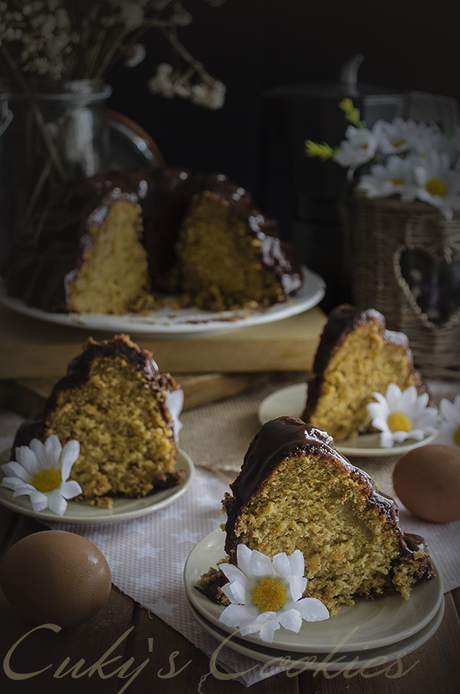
[106,242]
[123,412]
[356,356]
[296,491]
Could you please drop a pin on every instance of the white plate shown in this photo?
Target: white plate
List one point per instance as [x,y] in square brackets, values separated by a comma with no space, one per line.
[366,624]
[180,323]
[335,659]
[291,401]
[123,509]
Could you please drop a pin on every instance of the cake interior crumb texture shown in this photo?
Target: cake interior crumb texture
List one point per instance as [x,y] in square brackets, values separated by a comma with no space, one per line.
[365,362]
[350,547]
[113,274]
[126,445]
[219,261]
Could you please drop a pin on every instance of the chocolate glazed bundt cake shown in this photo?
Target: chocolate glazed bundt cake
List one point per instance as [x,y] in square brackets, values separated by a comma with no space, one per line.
[296,491]
[356,356]
[121,409]
[105,242]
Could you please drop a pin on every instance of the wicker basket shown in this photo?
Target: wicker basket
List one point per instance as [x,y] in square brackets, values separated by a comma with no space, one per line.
[382,235]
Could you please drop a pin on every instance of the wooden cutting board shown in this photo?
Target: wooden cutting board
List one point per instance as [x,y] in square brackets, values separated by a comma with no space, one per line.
[31,348]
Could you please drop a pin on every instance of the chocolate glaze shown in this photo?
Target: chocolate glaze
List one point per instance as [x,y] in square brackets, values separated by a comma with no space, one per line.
[78,371]
[342,321]
[287,437]
[45,260]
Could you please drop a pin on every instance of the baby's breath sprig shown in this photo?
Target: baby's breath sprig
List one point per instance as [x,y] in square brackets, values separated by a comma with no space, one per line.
[58,40]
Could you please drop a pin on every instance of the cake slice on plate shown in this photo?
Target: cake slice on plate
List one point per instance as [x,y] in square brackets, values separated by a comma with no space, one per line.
[124,413]
[356,356]
[295,491]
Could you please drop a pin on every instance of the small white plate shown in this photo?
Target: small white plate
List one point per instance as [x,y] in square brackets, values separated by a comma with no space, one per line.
[123,509]
[291,401]
[169,323]
[335,659]
[364,625]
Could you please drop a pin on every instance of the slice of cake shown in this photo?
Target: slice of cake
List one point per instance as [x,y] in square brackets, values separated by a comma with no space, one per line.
[122,410]
[355,357]
[229,255]
[296,491]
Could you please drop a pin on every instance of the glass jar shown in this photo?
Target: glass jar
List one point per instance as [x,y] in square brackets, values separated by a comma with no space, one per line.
[49,137]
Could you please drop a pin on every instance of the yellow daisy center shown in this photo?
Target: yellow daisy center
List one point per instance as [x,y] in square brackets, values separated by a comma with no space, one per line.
[457,435]
[399,143]
[47,480]
[436,187]
[269,595]
[397,181]
[398,421]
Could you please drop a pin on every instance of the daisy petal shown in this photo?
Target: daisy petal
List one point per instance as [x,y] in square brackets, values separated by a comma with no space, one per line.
[233,615]
[312,609]
[235,592]
[386,439]
[243,556]
[70,489]
[291,619]
[57,503]
[297,563]
[15,483]
[39,501]
[40,452]
[297,586]
[281,565]
[15,469]
[268,629]
[53,449]
[260,564]
[27,458]
[233,573]
[69,455]
[393,396]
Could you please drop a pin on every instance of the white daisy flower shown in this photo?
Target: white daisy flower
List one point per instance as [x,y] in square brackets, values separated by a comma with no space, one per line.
[266,594]
[358,148]
[395,177]
[396,137]
[437,184]
[450,426]
[41,472]
[402,415]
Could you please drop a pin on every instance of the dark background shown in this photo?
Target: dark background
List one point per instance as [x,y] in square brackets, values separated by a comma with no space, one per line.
[255,45]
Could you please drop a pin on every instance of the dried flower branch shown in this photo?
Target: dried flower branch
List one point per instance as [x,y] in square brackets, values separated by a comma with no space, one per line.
[54,40]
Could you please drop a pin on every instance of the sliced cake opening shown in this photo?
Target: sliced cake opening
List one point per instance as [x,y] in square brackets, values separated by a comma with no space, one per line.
[219,261]
[113,276]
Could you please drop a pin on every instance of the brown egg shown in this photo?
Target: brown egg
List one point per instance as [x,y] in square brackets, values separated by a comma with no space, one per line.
[55,577]
[427,480]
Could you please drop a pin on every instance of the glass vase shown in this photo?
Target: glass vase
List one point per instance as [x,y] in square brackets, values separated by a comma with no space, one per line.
[47,138]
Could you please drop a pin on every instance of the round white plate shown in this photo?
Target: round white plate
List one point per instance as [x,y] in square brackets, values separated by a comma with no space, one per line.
[335,659]
[366,624]
[170,323]
[123,509]
[291,401]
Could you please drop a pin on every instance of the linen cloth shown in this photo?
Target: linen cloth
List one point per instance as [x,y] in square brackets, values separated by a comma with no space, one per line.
[147,555]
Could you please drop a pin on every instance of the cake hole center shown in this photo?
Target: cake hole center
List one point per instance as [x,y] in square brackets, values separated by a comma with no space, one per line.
[269,595]
[46,480]
[398,421]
